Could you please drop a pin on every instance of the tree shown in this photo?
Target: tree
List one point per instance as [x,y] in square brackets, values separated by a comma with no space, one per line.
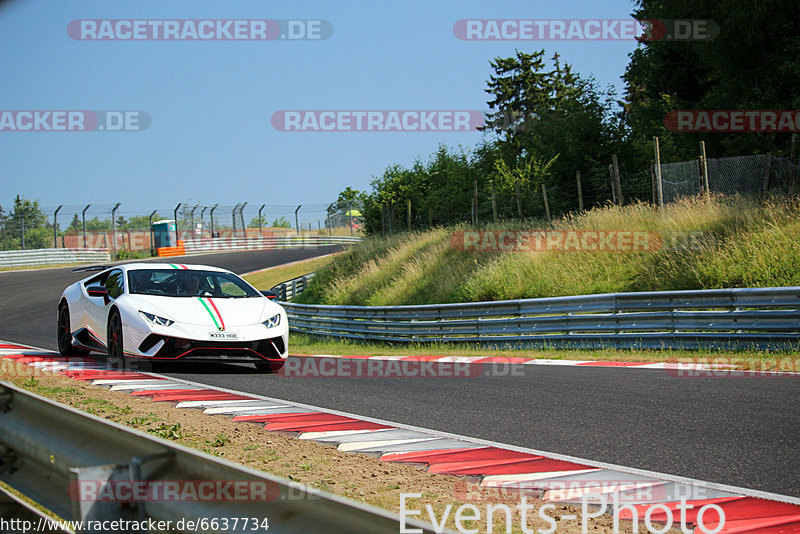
[751,63]
[75,224]
[254,222]
[552,116]
[26,224]
[139,222]
[281,222]
[349,195]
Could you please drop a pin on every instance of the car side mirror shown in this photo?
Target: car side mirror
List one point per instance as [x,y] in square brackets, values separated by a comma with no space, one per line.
[97,291]
[271,295]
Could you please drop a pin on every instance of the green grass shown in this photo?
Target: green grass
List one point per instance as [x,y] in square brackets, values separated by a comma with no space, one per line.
[707,243]
[756,360]
[268,278]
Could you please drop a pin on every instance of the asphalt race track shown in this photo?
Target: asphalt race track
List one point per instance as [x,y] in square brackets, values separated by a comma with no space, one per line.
[737,431]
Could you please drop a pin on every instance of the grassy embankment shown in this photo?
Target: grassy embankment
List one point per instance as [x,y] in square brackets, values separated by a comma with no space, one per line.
[724,242]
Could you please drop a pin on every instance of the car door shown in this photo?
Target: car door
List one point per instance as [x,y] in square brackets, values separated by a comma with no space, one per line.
[97,309]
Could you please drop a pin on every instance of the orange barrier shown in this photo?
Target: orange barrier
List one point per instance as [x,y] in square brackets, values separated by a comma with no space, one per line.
[172,251]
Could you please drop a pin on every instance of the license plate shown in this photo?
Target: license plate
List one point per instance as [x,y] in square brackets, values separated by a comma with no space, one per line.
[223,336]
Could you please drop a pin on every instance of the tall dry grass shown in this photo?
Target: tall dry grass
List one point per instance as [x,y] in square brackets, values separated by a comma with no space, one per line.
[707,243]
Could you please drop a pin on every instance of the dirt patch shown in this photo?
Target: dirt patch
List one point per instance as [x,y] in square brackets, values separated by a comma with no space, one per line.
[357,476]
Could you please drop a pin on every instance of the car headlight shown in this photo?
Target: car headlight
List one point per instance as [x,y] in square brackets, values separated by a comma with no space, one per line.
[155,319]
[273,321]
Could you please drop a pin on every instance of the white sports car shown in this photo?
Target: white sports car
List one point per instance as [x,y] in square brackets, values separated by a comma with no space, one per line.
[171,312]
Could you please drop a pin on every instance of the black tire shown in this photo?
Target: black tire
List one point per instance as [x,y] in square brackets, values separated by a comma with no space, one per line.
[269,367]
[64,336]
[116,357]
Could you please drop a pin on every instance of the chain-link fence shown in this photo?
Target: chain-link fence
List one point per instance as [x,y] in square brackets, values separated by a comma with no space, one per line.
[753,175]
[26,224]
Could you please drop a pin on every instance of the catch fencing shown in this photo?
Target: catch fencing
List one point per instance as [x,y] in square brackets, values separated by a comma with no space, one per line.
[71,462]
[755,176]
[751,318]
[52,256]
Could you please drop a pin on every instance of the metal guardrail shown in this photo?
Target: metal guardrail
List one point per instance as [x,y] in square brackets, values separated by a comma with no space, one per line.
[288,290]
[753,318]
[51,452]
[260,243]
[12,508]
[53,256]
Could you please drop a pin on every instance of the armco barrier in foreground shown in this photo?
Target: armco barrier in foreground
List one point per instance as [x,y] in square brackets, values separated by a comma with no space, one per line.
[52,256]
[80,467]
[753,318]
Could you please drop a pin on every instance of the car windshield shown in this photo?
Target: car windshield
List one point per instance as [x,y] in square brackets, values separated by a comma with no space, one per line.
[188,283]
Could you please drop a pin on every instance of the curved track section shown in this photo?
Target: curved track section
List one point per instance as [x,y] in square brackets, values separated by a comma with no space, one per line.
[736,431]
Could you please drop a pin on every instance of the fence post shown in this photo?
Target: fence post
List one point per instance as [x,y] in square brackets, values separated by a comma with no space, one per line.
[296,220]
[233,217]
[408,214]
[83,218]
[212,219]
[241,219]
[613,185]
[191,222]
[177,234]
[580,191]
[659,184]
[114,227]
[494,206]
[616,178]
[704,168]
[519,199]
[350,215]
[765,185]
[546,203]
[152,235]
[653,181]
[55,226]
[383,220]
[792,153]
[474,202]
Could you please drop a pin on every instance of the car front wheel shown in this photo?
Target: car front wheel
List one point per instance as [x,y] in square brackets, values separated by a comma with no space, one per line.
[65,347]
[116,358]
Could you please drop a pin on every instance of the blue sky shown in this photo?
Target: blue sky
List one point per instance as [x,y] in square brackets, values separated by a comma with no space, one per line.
[211,140]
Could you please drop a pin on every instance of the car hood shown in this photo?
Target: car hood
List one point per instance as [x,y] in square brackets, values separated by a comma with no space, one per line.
[219,313]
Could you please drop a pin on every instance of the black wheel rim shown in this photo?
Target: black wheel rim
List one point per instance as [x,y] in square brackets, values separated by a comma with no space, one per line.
[64,335]
[115,343]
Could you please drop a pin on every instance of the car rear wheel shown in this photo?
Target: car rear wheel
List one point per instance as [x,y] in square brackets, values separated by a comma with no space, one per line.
[65,347]
[269,367]
[116,358]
